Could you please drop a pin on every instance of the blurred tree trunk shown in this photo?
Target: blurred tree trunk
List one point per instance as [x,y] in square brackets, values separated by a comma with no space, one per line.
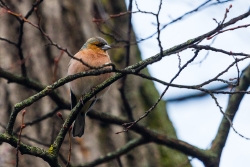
[69,24]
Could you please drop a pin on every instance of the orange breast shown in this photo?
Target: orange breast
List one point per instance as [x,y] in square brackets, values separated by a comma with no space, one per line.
[84,84]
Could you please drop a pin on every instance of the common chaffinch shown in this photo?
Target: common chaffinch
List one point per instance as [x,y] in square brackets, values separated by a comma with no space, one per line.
[93,53]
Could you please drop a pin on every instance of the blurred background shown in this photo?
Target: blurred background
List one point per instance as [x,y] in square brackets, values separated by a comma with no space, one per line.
[38,54]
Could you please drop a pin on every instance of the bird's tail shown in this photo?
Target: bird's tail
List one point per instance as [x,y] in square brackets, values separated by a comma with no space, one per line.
[78,128]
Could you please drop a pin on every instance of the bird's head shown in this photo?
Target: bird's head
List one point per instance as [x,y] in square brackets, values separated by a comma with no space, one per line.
[96,43]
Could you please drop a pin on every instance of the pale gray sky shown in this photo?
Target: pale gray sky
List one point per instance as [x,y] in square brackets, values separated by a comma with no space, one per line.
[197,121]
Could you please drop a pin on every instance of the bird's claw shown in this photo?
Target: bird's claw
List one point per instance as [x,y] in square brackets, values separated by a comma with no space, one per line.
[81,99]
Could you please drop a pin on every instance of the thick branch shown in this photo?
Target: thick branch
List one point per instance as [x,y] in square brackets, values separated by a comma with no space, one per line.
[120,151]
[49,89]
[31,84]
[60,137]
[156,137]
[30,150]
[233,104]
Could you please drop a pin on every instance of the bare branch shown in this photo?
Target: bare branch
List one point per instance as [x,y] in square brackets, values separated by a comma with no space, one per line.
[233,104]
[127,62]
[127,126]
[156,137]
[120,151]
[31,84]
[8,41]
[230,53]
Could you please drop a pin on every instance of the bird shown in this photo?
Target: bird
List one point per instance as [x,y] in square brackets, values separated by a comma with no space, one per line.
[94,54]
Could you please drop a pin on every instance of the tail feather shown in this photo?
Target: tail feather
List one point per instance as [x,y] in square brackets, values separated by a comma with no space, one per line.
[78,128]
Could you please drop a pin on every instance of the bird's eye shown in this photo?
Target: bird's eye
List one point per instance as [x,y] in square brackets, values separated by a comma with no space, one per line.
[99,44]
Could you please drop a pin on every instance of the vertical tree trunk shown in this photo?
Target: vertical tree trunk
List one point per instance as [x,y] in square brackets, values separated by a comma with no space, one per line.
[70,24]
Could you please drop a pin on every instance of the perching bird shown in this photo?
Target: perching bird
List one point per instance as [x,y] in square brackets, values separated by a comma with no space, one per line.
[93,53]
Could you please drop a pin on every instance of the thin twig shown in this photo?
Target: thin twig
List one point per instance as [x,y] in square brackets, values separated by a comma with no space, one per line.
[10,42]
[126,104]
[226,116]
[56,61]
[19,137]
[127,126]
[70,143]
[207,47]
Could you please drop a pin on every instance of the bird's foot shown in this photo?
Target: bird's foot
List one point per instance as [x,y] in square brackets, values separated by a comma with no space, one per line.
[81,99]
[93,88]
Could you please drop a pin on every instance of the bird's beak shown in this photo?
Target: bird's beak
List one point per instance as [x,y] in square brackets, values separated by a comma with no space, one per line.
[106,47]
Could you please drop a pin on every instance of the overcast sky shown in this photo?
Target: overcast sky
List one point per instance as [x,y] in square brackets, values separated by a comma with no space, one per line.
[196,121]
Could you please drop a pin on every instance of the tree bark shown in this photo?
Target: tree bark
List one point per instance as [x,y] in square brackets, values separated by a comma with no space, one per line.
[69,24]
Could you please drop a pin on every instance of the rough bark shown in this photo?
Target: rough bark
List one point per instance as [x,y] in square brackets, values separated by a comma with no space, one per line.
[69,24]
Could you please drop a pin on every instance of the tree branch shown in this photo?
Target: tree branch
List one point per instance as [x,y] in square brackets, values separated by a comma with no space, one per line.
[233,104]
[153,136]
[156,137]
[120,151]
[207,47]
[31,84]
[30,150]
